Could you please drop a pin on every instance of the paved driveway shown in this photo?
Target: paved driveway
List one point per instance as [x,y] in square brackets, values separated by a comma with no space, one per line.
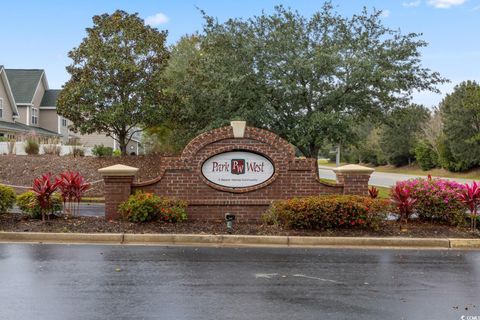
[125,282]
[382,179]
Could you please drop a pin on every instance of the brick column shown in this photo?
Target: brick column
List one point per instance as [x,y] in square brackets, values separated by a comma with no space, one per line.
[118,186]
[354,179]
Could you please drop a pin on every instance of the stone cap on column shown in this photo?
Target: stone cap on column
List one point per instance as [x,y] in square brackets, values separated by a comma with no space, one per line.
[353,168]
[238,128]
[118,170]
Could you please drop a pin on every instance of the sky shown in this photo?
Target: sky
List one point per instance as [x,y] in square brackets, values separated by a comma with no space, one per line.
[38,34]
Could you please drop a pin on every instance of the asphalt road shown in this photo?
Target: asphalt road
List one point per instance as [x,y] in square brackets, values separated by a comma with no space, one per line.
[125,282]
[382,179]
[86,209]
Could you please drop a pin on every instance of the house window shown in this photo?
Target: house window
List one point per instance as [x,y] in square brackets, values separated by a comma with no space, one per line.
[34,116]
[64,122]
[1,108]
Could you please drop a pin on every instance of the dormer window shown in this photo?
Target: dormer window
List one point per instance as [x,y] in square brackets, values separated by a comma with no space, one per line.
[34,116]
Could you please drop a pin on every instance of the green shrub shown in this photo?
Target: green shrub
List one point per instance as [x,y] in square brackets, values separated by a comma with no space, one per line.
[7,198]
[31,146]
[142,207]
[28,204]
[102,151]
[426,156]
[328,212]
[117,153]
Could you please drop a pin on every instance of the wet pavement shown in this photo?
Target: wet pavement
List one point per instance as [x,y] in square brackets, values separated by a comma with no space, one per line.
[138,282]
[86,209]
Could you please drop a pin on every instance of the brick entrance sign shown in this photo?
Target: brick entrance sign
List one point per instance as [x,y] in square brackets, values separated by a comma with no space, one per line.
[234,169]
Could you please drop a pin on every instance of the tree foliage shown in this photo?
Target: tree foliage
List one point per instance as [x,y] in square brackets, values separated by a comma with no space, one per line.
[369,148]
[426,157]
[432,131]
[115,84]
[400,133]
[461,118]
[307,79]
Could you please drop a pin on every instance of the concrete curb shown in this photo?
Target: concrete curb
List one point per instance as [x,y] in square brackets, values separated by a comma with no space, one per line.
[61,237]
[465,243]
[236,240]
[369,242]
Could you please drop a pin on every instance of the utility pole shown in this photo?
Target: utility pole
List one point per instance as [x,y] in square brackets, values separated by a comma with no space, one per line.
[337,158]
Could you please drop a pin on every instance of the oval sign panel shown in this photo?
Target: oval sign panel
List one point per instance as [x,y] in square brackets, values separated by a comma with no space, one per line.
[238,169]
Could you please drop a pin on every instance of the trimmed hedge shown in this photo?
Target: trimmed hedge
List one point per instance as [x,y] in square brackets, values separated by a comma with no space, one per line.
[143,207]
[7,198]
[328,212]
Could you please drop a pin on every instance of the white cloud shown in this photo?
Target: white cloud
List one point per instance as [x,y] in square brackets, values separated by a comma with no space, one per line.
[157,19]
[411,4]
[385,13]
[445,4]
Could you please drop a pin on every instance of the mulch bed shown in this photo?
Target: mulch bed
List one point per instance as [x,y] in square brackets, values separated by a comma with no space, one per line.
[416,229]
[21,170]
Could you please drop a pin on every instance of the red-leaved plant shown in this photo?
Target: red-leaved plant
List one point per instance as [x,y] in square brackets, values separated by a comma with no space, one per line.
[72,187]
[44,187]
[373,192]
[401,198]
[470,196]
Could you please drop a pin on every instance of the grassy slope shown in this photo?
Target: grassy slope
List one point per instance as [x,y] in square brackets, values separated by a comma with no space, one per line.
[472,174]
[415,170]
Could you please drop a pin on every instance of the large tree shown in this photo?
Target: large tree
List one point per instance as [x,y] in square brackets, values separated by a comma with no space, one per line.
[115,84]
[460,112]
[309,80]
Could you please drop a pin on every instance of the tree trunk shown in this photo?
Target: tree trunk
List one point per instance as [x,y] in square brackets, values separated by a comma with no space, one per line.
[123,148]
[122,142]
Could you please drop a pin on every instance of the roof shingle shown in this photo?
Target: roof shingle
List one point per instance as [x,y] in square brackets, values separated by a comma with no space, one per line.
[50,98]
[24,82]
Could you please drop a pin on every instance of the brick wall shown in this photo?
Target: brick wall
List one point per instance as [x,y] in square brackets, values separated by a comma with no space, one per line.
[181,177]
[117,190]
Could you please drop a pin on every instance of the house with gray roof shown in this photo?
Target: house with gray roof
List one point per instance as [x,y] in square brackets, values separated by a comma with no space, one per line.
[28,106]
[8,108]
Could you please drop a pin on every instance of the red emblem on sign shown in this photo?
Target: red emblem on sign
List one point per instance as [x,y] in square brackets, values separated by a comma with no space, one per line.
[238,166]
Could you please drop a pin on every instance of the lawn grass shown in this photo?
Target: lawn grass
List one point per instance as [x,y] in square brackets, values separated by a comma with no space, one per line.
[327,163]
[383,192]
[93,199]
